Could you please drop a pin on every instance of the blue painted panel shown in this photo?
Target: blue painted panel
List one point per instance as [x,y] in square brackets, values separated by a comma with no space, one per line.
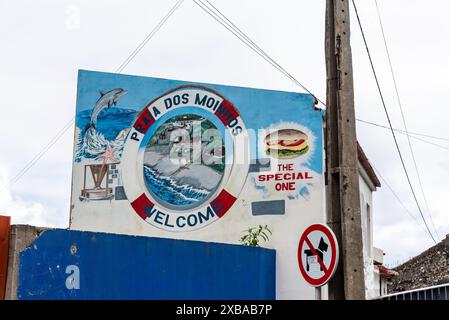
[127,267]
[271,207]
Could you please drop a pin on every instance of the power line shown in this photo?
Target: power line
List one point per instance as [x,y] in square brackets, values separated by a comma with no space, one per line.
[411,134]
[389,122]
[41,153]
[402,131]
[220,18]
[148,37]
[403,118]
[133,54]
[225,22]
[217,15]
[68,125]
[398,199]
[428,142]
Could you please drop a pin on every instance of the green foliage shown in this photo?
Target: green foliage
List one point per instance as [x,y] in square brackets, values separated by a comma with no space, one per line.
[254,235]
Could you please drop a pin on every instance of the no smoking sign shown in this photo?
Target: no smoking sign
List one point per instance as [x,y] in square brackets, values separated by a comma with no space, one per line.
[317,254]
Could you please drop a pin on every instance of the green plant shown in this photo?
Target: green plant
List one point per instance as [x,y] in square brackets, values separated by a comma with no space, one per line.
[254,235]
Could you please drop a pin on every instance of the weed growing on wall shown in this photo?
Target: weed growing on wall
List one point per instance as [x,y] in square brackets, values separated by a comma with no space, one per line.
[254,235]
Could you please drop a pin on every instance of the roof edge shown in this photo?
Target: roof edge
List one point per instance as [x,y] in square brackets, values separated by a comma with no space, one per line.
[363,159]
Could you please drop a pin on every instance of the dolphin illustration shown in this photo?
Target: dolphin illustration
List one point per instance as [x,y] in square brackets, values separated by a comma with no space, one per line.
[106,100]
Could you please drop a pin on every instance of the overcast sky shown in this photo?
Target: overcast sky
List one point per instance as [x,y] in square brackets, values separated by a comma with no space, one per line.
[45,42]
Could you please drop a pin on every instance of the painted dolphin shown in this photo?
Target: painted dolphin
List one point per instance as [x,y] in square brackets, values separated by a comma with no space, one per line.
[106,100]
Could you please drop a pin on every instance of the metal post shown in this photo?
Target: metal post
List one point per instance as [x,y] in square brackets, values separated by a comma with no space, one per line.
[343,206]
[317,293]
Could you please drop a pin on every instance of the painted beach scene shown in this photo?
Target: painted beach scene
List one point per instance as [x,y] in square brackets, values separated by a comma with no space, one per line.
[184,161]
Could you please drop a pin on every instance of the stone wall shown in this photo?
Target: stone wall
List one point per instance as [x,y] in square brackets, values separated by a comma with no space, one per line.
[430,268]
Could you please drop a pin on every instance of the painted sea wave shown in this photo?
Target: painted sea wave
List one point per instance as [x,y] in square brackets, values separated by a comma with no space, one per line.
[170,191]
[112,128]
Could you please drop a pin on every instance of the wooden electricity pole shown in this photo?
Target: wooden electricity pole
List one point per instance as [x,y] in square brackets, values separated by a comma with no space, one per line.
[343,199]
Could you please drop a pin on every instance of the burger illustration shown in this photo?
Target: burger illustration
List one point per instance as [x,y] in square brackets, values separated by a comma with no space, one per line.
[286,143]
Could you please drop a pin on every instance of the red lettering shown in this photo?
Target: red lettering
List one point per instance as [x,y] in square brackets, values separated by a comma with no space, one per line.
[285,176]
[144,122]
[222,203]
[285,167]
[226,112]
[285,186]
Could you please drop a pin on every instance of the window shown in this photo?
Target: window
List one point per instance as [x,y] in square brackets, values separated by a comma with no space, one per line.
[369,230]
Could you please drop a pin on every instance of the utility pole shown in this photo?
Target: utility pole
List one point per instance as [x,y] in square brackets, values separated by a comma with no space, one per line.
[343,199]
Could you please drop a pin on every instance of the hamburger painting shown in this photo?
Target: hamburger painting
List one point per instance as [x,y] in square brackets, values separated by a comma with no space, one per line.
[286,143]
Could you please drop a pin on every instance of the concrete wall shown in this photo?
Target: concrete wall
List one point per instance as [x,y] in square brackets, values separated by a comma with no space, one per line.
[21,236]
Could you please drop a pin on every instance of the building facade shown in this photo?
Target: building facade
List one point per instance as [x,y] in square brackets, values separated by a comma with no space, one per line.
[376,274]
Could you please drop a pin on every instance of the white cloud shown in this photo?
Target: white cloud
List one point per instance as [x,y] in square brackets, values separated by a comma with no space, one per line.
[21,211]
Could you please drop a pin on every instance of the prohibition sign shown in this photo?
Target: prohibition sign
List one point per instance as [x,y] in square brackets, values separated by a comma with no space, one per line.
[317,254]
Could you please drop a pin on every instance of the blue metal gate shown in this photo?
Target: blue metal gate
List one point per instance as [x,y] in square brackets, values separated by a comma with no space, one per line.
[63,264]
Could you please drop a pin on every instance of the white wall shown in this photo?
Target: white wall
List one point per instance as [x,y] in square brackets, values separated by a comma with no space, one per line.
[286,229]
[372,285]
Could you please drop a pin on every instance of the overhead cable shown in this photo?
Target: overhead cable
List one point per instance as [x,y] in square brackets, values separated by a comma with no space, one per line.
[412,135]
[69,124]
[403,119]
[389,123]
[399,199]
[218,16]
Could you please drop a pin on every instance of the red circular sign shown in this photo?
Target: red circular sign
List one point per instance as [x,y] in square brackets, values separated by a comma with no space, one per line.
[317,254]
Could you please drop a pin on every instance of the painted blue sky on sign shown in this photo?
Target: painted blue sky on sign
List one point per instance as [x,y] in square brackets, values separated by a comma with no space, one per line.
[259,108]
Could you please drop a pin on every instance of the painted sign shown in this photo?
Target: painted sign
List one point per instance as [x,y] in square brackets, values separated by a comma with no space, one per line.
[197,161]
[317,254]
[66,264]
